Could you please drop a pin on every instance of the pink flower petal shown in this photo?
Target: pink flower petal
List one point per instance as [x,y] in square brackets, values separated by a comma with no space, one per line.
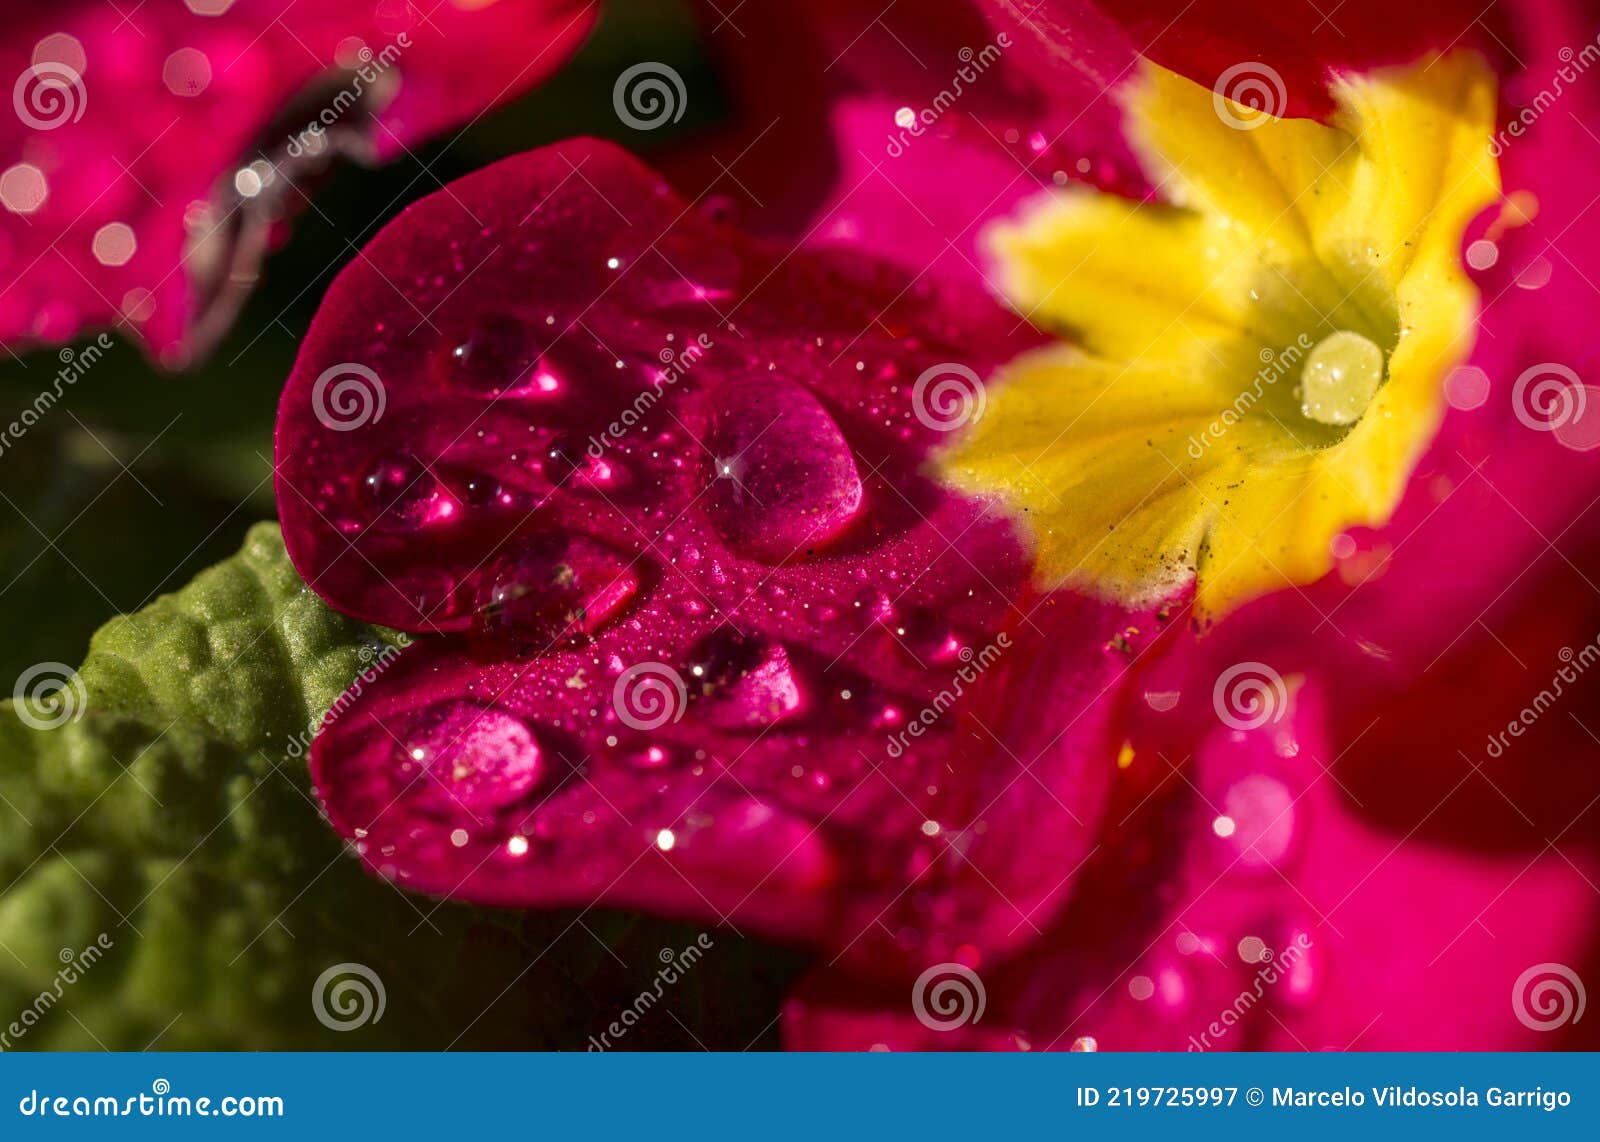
[152,150]
[1245,906]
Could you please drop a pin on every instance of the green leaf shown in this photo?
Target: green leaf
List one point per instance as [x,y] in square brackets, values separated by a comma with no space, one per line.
[166,875]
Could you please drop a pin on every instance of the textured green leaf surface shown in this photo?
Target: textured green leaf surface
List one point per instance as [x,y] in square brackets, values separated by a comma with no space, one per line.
[169,822]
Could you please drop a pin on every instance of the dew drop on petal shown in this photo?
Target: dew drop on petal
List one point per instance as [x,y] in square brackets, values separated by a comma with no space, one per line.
[744,683]
[784,480]
[461,757]
[496,356]
[400,491]
[1341,375]
[928,636]
[553,589]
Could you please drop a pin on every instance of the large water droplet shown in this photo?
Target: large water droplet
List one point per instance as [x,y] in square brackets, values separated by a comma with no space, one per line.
[785,481]
[1341,374]
[553,589]
[460,756]
[498,356]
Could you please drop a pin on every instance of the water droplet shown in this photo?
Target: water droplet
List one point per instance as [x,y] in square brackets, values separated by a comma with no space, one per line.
[785,481]
[570,461]
[553,589]
[487,493]
[400,491]
[928,635]
[874,604]
[1341,375]
[650,757]
[497,357]
[462,757]
[744,683]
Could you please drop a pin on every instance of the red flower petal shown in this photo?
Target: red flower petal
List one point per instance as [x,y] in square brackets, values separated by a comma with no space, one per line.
[150,151]
[681,471]
[1283,53]
[899,131]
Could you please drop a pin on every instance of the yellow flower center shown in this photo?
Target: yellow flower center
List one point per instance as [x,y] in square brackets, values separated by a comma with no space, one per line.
[1253,365]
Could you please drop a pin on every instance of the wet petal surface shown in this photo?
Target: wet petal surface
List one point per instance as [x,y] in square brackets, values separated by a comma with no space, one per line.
[712,642]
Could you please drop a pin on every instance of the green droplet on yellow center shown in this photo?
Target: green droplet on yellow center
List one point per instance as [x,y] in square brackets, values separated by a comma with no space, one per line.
[1341,376]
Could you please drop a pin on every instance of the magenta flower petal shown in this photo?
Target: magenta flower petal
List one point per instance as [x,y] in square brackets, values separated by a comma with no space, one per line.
[897,132]
[1279,921]
[1288,51]
[714,645]
[156,226]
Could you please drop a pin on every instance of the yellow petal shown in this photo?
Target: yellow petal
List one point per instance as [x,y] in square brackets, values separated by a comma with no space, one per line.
[1171,442]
